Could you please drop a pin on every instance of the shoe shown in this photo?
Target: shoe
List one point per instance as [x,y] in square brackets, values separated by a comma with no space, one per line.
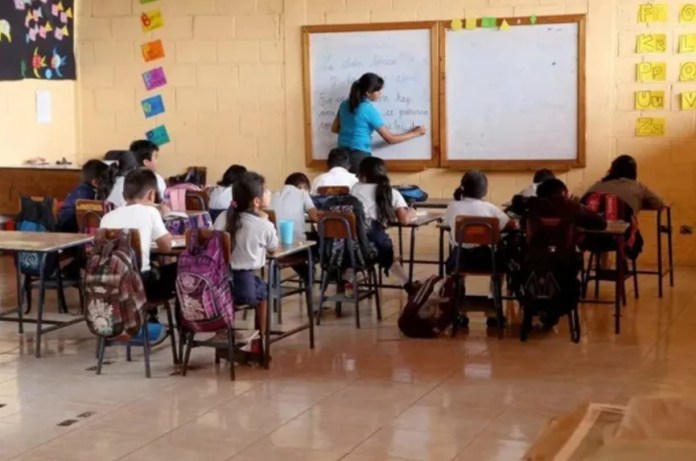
[246,339]
[348,290]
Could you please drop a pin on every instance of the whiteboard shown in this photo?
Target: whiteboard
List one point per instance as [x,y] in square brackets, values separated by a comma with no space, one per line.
[514,94]
[402,57]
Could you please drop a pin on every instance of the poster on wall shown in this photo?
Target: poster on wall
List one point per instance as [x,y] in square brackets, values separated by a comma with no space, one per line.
[38,39]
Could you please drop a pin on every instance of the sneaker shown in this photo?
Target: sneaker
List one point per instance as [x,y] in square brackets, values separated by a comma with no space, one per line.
[246,339]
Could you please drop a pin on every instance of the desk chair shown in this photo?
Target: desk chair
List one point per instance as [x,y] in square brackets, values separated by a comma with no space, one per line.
[197,200]
[149,306]
[342,226]
[485,232]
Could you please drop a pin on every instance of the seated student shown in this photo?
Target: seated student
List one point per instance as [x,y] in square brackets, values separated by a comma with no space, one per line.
[124,164]
[621,181]
[221,195]
[92,174]
[253,235]
[383,205]
[552,201]
[140,189]
[147,154]
[338,174]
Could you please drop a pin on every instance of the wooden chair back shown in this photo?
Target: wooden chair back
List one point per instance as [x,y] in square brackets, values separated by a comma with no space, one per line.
[206,234]
[336,225]
[477,230]
[89,214]
[197,200]
[333,190]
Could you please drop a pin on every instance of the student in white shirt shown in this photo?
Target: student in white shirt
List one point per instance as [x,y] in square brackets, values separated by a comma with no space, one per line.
[338,174]
[383,205]
[539,177]
[140,189]
[124,164]
[253,235]
[147,153]
[221,195]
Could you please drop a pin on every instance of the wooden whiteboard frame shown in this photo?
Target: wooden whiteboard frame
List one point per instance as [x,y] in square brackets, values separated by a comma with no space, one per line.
[393,165]
[518,165]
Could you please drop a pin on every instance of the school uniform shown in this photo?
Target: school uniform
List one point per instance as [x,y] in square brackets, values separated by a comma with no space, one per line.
[292,204]
[473,257]
[116,196]
[336,176]
[253,239]
[159,282]
[67,216]
[376,231]
[161,185]
[530,190]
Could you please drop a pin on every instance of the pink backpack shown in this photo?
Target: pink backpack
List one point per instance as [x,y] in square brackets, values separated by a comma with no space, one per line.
[176,195]
[202,284]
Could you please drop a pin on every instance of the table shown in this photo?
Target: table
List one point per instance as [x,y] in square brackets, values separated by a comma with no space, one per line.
[42,243]
[178,225]
[178,246]
[663,229]
[616,229]
[434,204]
[419,221]
[274,289]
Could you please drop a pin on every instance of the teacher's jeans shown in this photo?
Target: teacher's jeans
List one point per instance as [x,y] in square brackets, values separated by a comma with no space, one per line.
[357,156]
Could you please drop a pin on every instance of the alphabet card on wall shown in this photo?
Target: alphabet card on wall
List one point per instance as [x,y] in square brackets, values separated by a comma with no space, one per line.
[152,20]
[152,50]
[153,106]
[158,135]
[154,78]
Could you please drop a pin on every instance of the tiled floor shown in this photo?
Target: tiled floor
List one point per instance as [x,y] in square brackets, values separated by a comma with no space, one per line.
[366,395]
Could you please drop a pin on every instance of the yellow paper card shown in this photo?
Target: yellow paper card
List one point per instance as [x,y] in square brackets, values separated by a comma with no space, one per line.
[151,20]
[470,23]
[651,43]
[687,14]
[651,72]
[456,24]
[504,25]
[687,72]
[688,100]
[650,126]
[687,43]
[648,100]
[653,12]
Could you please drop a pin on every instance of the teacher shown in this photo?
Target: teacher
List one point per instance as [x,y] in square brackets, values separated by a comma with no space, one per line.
[357,118]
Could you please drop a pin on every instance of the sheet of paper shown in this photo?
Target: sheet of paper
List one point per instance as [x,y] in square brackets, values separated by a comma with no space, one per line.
[651,72]
[154,78]
[489,22]
[650,126]
[153,106]
[158,135]
[650,100]
[687,14]
[653,12]
[504,25]
[456,24]
[688,100]
[44,107]
[651,43]
[152,20]
[687,43]
[471,23]
[152,50]
[687,72]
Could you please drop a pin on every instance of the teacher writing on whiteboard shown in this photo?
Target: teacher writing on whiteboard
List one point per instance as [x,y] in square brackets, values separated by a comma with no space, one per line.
[357,118]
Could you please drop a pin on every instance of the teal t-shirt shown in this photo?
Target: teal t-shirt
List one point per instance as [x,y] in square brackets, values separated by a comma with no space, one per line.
[357,127]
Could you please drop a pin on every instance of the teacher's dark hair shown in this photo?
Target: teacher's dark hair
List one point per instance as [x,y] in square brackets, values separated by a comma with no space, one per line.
[474,185]
[374,171]
[368,83]
[623,166]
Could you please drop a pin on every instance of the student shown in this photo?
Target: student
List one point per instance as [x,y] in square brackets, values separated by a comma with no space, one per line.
[92,173]
[621,181]
[358,118]
[539,177]
[338,174]
[293,202]
[253,235]
[221,195]
[147,154]
[552,201]
[383,205]
[124,164]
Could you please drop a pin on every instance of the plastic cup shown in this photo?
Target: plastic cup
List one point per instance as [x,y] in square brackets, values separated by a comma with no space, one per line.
[286,229]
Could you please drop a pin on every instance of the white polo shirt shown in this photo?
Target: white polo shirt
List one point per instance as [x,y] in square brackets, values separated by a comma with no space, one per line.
[366,194]
[254,238]
[336,176]
[472,207]
[291,204]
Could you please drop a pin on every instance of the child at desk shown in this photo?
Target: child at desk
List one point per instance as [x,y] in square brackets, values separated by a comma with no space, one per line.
[338,174]
[147,154]
[384,205]
[221,195]
[124,164]
[92,175]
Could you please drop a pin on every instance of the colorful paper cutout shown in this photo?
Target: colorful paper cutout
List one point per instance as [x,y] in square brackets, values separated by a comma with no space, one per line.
[154,78]
[504,25]
[687,14]
[158,135]
[533,19]
[651,72]
[687,43]
[653,12]
[688,100]
[152,50]
[687,72]
[152,20]
[153,106]
[489,22]
[456,24]
[651,43]
[650,126]
[649,99]
[471,23]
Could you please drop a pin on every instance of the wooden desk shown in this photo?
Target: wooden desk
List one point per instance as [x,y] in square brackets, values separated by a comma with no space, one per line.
[48,181]
[42,243]
[274,290]
[419,221]
[664,227]
[434,204]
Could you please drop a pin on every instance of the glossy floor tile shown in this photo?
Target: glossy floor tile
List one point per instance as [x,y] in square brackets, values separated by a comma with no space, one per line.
[360,395]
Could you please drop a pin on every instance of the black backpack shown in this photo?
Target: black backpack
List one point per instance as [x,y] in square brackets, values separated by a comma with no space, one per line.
[429,311]
[36,216]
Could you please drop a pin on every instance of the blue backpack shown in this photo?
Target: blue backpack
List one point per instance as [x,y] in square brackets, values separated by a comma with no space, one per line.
[412,193]
[36,216]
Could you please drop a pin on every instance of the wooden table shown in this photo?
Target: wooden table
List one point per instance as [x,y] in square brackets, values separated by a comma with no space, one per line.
[434,204]
[274,289]
[35,181]
[178,246]
[419,221]
[42,243]
[663,228]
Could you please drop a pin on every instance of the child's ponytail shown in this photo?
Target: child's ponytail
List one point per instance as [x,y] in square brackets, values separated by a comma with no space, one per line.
[106,181]
[246,188]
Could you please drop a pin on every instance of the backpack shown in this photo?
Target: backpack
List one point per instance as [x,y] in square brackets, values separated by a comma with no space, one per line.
[613,209]
[429,311]
[335,255]
[114,291]
[412,193]
[36,217]
[202,284]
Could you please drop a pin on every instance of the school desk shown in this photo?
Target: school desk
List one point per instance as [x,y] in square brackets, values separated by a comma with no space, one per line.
[419,221]
[42,243]
[663,221]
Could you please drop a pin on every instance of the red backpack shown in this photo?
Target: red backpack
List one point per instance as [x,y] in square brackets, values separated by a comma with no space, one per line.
[428,312]
[614,209]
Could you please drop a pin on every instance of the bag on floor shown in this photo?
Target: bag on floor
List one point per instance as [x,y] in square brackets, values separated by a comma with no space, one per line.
[428,312]
[35,216]
[202,283]
[114,291]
